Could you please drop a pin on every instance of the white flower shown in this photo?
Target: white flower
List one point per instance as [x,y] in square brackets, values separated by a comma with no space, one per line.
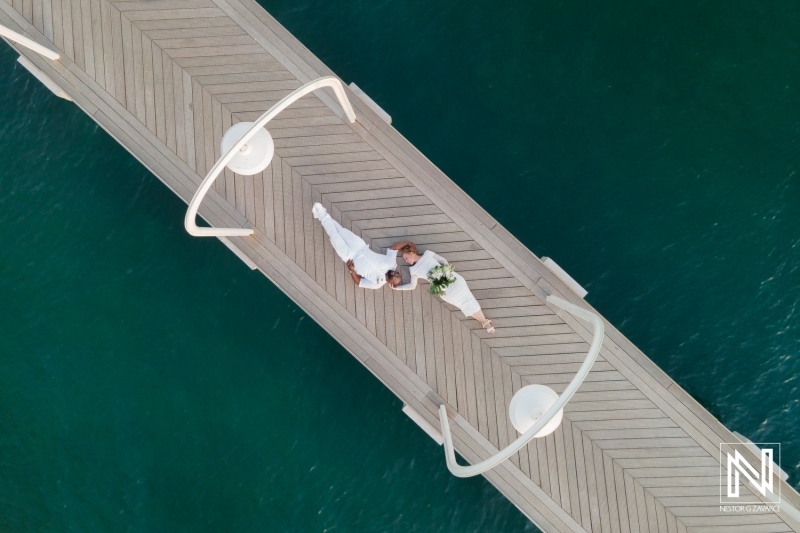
[440,277]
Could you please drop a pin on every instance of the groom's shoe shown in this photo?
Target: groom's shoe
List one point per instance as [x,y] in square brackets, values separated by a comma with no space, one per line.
[319,211]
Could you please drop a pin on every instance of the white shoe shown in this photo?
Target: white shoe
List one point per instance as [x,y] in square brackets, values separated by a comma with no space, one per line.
[319,211]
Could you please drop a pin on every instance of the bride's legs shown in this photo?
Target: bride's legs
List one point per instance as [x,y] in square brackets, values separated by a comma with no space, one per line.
[480,317]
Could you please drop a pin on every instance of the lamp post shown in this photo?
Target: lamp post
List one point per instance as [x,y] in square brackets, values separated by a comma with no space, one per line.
[535,412]
[249,147]
[11,35]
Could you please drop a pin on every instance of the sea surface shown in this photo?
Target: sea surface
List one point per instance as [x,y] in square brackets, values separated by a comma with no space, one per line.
[150,382]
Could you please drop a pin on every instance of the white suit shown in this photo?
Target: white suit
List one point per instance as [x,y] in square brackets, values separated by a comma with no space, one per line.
[371,266]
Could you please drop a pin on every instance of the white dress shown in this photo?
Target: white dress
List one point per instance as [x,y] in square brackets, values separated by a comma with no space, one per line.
[457,293]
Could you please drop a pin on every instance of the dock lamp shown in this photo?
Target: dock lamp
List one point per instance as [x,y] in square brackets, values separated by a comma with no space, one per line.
[255,155]
[535,410]
[248,148]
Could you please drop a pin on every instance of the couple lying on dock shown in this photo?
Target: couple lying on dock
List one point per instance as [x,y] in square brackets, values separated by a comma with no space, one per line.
[371,270]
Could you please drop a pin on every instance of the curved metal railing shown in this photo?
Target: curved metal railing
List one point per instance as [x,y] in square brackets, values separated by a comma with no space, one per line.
[479,468]
[194,205]
[28,43]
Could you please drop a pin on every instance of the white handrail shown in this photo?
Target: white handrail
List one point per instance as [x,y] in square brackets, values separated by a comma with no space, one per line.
[194,205]
[473,470]
[28,43]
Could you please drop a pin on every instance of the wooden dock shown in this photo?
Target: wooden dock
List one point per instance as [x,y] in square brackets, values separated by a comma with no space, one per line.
[166,78]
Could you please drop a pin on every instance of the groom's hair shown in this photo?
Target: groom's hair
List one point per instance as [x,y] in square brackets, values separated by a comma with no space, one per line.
[393,277]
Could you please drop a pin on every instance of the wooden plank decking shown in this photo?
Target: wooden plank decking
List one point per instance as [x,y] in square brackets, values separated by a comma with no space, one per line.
[166,78]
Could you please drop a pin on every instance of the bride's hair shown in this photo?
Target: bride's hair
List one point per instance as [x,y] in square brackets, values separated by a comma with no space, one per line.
[412,248]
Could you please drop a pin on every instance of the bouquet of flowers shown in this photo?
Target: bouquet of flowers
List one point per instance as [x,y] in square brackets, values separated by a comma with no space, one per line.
[441,277]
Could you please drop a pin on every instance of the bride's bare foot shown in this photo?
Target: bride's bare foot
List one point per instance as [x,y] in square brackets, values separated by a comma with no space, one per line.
[490,329]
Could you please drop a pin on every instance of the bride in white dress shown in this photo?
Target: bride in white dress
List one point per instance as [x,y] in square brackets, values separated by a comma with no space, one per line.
[457,293]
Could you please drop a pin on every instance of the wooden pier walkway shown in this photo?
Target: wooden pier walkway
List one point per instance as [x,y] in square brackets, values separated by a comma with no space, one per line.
[166,78]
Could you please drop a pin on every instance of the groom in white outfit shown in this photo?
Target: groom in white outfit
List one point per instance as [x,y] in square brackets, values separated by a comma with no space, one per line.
[369,269]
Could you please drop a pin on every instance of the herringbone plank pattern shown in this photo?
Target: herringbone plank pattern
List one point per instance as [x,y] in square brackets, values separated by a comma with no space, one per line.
[187,72]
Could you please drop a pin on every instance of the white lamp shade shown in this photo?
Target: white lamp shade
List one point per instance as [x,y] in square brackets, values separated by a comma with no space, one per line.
[529,404]
[256,153]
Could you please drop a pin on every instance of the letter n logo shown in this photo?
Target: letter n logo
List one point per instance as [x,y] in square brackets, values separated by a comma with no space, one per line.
[759,476]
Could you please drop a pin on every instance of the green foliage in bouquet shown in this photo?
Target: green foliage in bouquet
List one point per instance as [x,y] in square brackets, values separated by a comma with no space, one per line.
[440,277]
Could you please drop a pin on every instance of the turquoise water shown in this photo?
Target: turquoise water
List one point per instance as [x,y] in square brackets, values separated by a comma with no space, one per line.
[150,382]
